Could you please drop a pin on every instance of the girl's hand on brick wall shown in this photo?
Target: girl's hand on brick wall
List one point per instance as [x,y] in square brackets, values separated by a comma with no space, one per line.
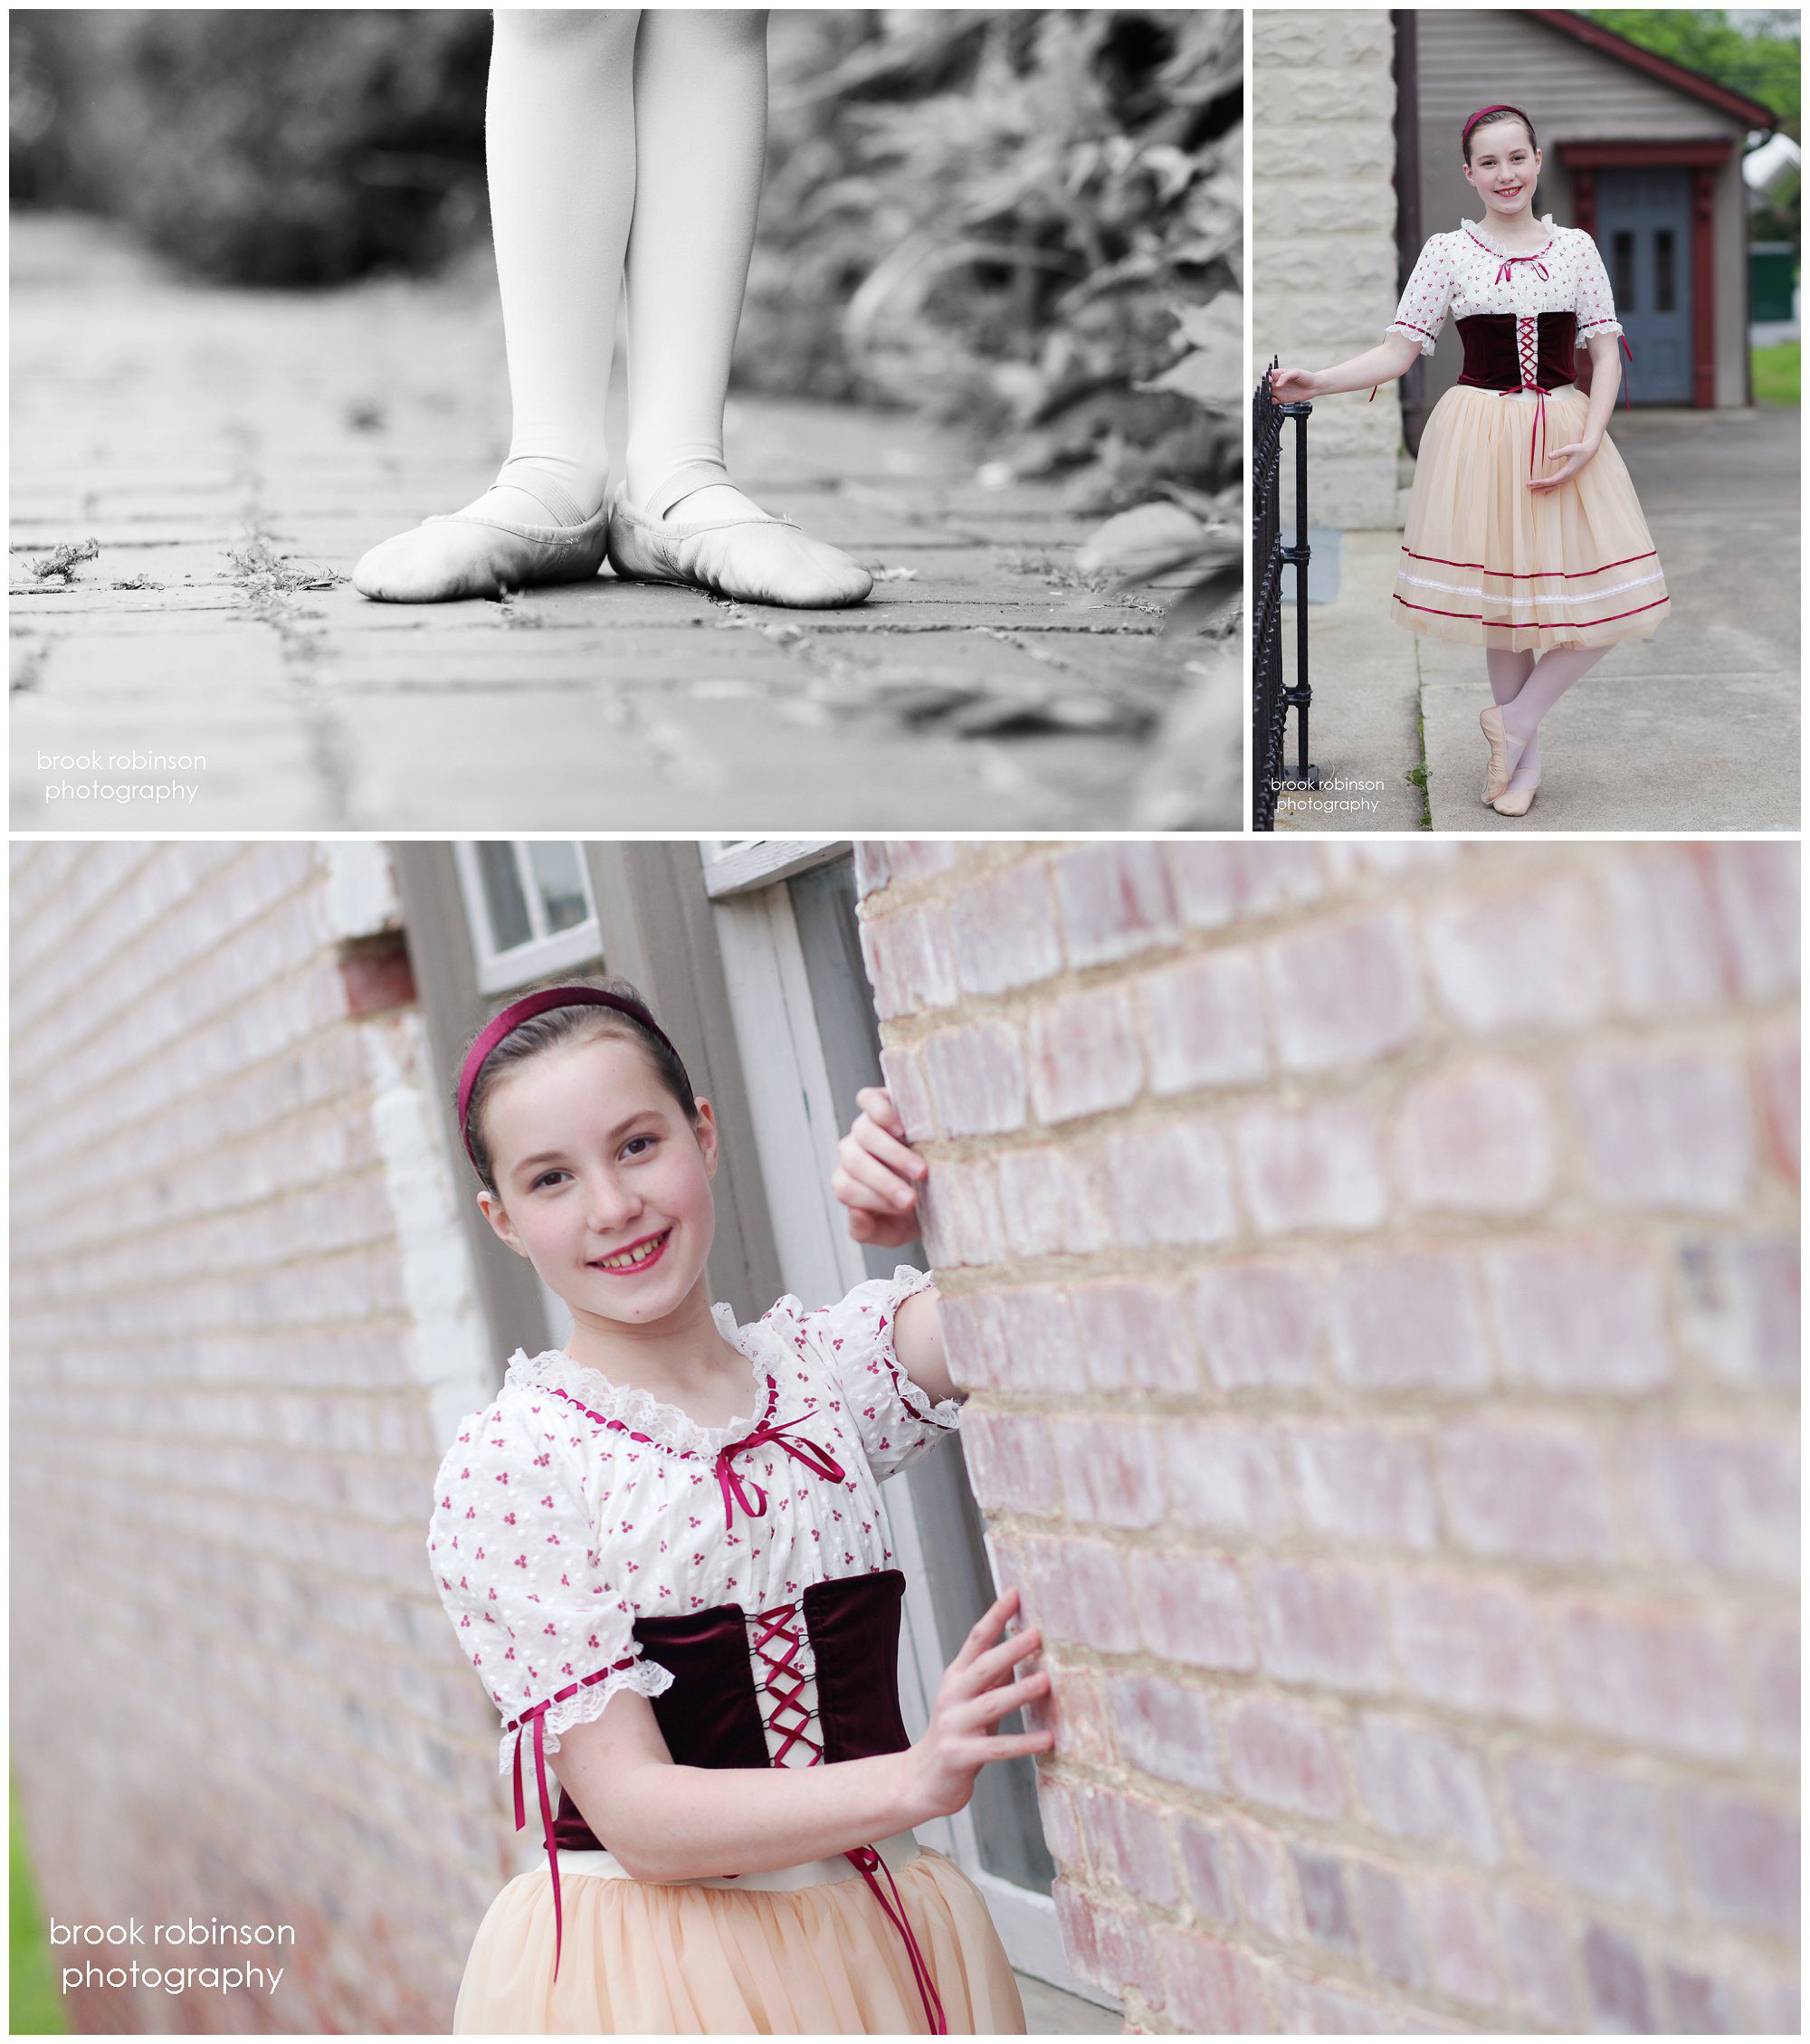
[878,1173]
[976,1691]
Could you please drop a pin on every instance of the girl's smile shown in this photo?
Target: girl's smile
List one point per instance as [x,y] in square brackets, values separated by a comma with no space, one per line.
[637,1257]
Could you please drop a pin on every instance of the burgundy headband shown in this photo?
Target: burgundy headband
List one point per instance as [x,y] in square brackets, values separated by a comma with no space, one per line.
[525,1009]
[1482,112]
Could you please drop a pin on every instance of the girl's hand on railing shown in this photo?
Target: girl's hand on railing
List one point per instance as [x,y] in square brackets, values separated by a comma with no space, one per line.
[1293,386]
[1583,452]
[878,1173]
[975,1694]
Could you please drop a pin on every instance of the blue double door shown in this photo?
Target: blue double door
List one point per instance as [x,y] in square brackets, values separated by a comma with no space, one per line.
[1644,230]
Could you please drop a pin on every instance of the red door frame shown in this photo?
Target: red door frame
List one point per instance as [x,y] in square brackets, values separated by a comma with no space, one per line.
[1702,159]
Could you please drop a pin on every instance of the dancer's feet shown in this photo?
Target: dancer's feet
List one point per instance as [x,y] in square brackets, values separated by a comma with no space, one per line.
[1505,753]
[716,539]
[1517,799]
[529,530]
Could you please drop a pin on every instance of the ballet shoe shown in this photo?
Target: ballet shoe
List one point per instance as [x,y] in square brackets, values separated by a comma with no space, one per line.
[756,559]
[1515,802]
[458,553]
[1504,752]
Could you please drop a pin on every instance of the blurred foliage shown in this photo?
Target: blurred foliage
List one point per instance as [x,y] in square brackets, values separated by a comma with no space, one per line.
[1014,223]
[1754,53]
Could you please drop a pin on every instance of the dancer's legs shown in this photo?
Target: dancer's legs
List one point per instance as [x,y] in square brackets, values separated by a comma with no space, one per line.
[1507,675]
[1554,673]
[701,142]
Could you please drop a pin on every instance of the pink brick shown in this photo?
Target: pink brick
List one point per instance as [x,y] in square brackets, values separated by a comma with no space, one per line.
[1037,1338]
[1265,1900]
[1312,1168]
[1010,1462]
[1204,1861]
[1461,1941]
[904,1080]
[1471,1648]
[1526,1493]
[972,1340]
[1217,883]
[1600,1833]
[1649,1677]
[1424,1785]
[1774,1662]
[1213,1988]
[1477,1140]
[920,858]
[1005,930]
[1108,1946]
[1345,992]
[1084,1731]
[1660,914]
[1132,1845]
[977,1078]
[1203,1023]
[1280,1753]
[1740,1308]
[1538,1955]
[1191,1607]
[1666,1133]
[1170,1183]
[872,870]
[1258,1323]
[1112,1472]
[1325,1908]
[1524,956]
[1165,1729]
[1719,1502]
[1584,1317]
[1757,886]
[1777,1067]
[1320,1625]
[1116,899]
[1225,1476]
[1085,1057]
[1078,1591]
[910,960]
[1062,1832]
[960,1206]
[1742,1861]
[1307,2007]
[1364,1485]
[1391,1937]
[1614,1976]
[1406,1320]
[1701,2006]
[1049,1204]
[1135,1338]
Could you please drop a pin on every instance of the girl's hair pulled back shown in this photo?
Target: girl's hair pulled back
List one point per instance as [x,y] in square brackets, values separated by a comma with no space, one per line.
[576,1024]
[1489,118]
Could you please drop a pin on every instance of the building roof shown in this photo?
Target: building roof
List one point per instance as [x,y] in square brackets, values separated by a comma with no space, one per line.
[1721,97]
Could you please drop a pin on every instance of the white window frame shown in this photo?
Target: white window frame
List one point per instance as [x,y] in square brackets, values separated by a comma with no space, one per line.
[546,951]
[797,1125]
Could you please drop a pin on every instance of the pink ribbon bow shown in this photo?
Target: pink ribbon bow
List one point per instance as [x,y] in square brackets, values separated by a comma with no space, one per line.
[1506,274]
[538,1719]
[817,1459]
[865,1860]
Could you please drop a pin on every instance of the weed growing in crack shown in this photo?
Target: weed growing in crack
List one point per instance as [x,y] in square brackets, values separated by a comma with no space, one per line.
[56,569]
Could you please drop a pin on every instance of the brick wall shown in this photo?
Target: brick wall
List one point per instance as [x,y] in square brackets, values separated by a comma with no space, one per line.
[241,1325]
[1375,1268]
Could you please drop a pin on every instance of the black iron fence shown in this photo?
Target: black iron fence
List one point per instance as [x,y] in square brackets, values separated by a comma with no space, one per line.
[1272,698]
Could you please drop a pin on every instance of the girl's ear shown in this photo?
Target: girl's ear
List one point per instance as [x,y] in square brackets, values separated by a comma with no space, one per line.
[497,1216]
[705,1129]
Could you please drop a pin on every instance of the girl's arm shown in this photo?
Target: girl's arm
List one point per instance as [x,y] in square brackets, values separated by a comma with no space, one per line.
[1382,363]
[1606,386]
[878,1177]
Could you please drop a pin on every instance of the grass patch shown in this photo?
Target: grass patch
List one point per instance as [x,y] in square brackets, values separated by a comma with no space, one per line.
[1775,374]
[56,569]
[36,2006]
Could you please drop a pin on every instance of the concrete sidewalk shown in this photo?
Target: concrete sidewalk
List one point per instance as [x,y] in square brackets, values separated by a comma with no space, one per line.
[1694,729]
[233,452]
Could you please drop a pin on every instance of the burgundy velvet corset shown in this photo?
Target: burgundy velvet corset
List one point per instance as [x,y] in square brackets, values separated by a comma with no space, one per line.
[1492,355]
[711,1715]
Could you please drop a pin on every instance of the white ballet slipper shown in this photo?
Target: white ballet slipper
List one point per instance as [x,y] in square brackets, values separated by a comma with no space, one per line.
[457,553]
[755,558]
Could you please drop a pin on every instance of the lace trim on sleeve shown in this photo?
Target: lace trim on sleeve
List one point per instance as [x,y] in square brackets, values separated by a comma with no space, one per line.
[1423,340]
[646,1678]
[1599,326]
[947,1413]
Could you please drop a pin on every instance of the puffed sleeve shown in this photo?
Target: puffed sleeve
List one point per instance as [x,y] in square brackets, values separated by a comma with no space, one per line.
[1595,300]
[1427,300]
[515,1557]
[896,1421]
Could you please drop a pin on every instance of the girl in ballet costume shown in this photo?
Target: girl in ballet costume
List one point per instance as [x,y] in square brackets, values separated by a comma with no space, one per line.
[620,143]
[1524,534]
[665,1551]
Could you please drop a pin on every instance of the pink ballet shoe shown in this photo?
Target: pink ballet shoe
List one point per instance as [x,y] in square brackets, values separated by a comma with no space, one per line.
[456,554]
[1504,751]
[1515,802]
[757,560]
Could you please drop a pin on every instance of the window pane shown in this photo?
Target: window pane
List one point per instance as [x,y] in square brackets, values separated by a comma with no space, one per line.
[1623,250]
[561,882]
[503,901]
[1664,289]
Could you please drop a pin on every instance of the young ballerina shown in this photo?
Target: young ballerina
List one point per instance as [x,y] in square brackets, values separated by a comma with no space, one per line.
[1544,566]
[679,1519]
[619,141]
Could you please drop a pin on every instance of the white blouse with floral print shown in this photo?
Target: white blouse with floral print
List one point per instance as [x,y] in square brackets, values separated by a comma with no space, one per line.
[570,1506]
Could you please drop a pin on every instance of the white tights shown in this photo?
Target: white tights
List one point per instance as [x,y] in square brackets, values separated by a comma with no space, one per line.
[621,141]
[1527,687]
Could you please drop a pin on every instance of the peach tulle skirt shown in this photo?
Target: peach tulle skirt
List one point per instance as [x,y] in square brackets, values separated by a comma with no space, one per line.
[664,1959]
[1486,561]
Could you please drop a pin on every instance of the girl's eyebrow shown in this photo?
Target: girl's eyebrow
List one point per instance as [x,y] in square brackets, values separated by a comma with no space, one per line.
[548,1157]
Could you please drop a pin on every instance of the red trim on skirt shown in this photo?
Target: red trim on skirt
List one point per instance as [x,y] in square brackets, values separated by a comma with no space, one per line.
[1529,624]
[1509,575]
